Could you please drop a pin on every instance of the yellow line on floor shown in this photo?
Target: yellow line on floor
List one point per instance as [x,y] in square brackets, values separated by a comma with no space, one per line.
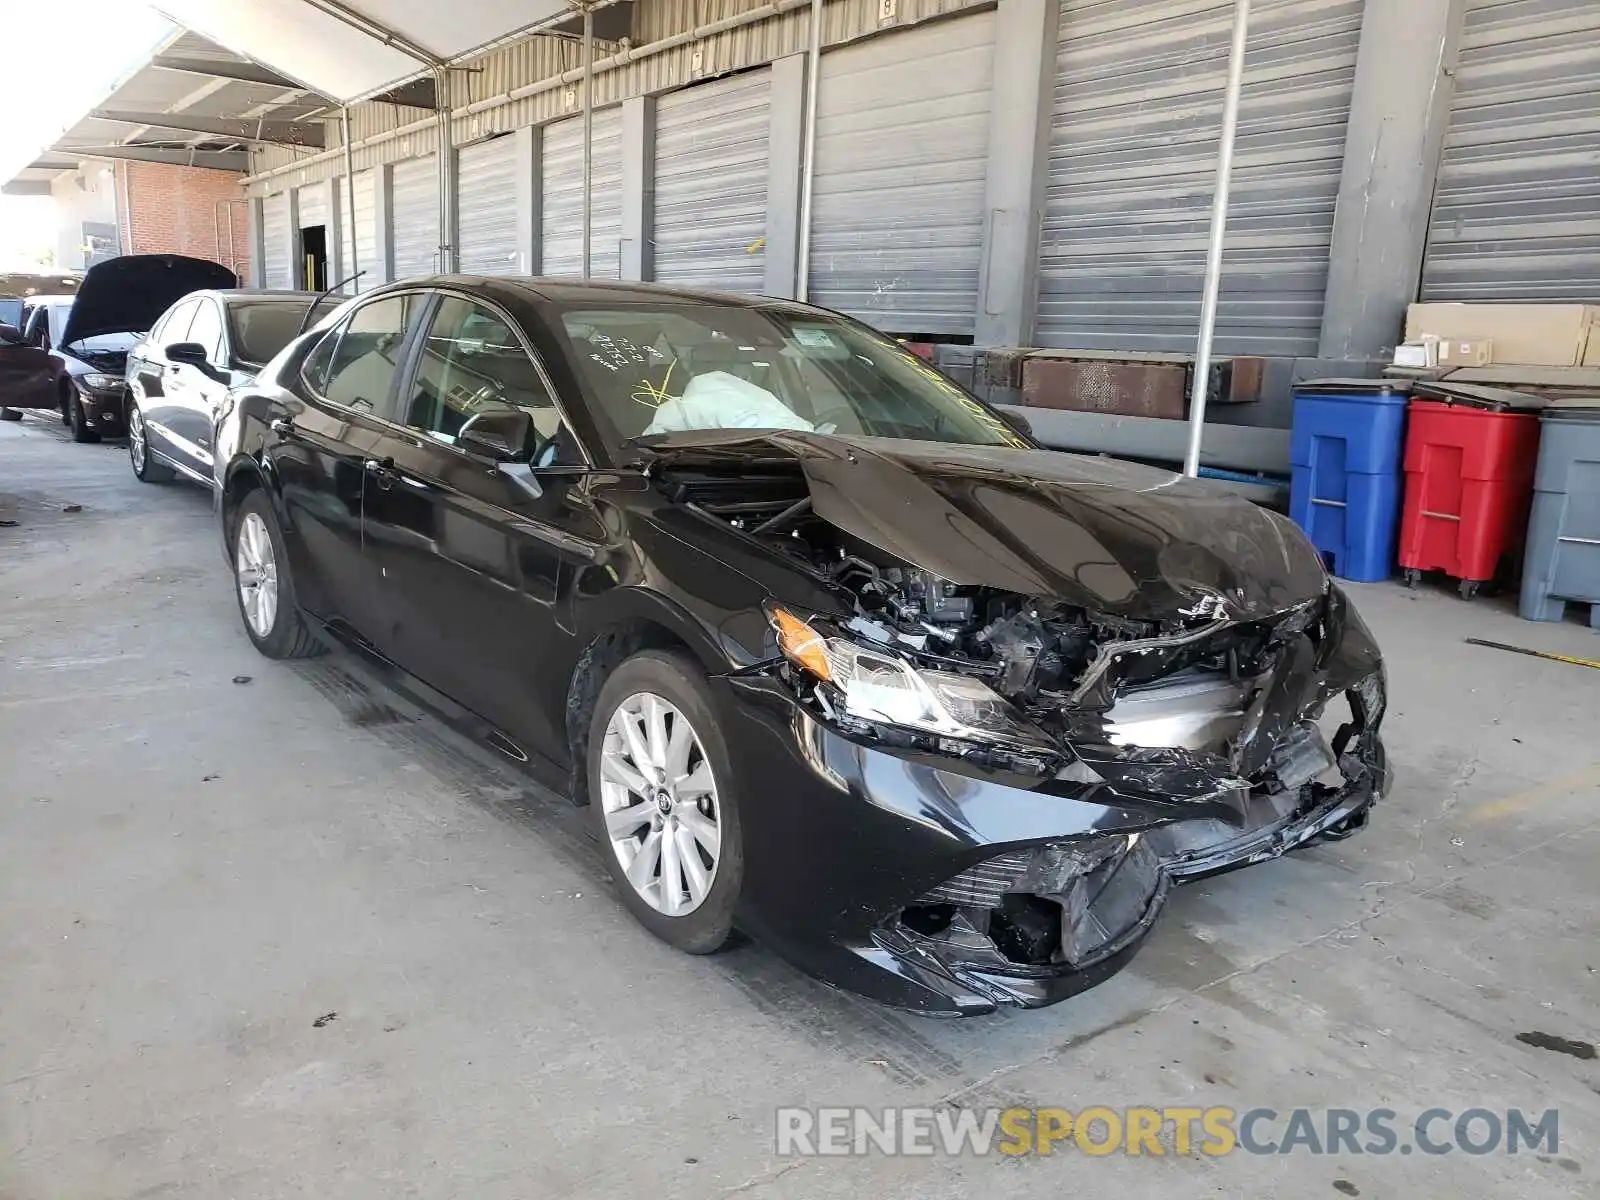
[1518,801]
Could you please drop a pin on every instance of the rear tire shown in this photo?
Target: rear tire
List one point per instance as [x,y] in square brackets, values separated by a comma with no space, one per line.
[10,414]
[81,432]
[670,828]
[144,462]
[263,586]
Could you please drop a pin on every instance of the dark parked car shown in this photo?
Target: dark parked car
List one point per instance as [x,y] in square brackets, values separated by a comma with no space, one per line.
[72,353]
[178,373]
[834,653]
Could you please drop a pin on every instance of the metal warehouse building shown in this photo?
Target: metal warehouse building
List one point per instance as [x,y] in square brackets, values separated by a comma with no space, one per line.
[1032,172]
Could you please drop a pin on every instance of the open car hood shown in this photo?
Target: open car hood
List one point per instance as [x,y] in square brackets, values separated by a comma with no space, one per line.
[129,294]
[1107,535]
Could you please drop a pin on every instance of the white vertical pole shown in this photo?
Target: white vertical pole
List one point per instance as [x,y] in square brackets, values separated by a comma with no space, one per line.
[802,284]
[1219,230]
[588,131]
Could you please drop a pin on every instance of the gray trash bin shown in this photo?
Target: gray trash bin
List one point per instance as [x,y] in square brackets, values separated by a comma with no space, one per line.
[1562,564]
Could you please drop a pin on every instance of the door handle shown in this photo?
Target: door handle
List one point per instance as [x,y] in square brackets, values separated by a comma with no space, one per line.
[382,472]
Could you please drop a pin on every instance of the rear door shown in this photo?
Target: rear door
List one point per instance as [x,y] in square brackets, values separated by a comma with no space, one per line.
[473,557]
[319,458]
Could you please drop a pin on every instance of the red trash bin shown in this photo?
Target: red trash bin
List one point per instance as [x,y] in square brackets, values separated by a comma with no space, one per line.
[1469,462]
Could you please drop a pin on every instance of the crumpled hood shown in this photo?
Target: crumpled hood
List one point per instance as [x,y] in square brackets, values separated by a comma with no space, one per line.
[129,294]
[1102,534]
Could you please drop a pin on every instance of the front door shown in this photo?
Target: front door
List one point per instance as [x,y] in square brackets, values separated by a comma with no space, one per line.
[193,392]
[151,374]
[25,376]
[324,441]
[475,557]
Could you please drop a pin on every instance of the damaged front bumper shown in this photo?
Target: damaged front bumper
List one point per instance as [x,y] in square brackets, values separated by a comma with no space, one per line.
[954,887]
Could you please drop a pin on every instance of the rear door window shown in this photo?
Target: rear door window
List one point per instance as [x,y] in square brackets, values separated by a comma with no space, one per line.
[356,364]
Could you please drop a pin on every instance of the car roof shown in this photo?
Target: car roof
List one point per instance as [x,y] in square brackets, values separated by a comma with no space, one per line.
[232,295]
[53,301]
[597,291]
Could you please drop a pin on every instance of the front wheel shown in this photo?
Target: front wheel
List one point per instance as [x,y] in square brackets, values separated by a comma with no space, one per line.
[663,798]
[10,414]
[144,464]
[263,584]
[76,421]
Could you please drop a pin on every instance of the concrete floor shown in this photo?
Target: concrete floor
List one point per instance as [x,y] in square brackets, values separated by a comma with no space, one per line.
[193,870]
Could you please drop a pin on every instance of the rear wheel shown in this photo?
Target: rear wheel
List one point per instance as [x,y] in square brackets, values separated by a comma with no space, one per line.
[663,802]
[75,418]
[264,587]
[144,463]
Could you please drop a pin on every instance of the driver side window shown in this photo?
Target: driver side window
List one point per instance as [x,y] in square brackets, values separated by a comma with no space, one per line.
[473,363]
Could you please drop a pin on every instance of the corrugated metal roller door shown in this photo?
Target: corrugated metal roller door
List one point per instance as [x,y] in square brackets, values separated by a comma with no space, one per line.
[902,149]
[711,183]
[1516,214]
[313,206]
[1132,173]
[414,217]
[486,212]
[277,269]
[562,208]
[366,233]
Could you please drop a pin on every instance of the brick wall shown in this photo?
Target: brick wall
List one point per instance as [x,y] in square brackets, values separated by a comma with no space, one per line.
[177,210]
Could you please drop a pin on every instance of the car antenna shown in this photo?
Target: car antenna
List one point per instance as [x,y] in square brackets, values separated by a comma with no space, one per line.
[312,307]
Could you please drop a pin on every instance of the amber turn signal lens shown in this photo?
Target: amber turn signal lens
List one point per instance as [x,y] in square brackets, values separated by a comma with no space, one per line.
[801,644]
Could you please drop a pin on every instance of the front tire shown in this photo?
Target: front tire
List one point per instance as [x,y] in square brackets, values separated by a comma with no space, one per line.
[10,414]
[75,420]
[263,586]
[663,803]
[145,466]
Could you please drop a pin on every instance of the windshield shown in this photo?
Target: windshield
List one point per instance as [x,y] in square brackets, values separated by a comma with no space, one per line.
[263,327]
[672,367]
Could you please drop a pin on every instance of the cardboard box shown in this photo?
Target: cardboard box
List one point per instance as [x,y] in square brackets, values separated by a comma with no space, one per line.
[1420,355]
[1545,335]
[1465,352]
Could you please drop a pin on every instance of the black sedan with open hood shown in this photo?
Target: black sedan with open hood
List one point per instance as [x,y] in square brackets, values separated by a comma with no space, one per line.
[76,365]
[832,651]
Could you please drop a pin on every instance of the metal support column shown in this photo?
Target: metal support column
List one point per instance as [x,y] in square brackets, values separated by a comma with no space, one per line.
[445,261]
[588,132]
[1219,231]
[802,282]
[350,267]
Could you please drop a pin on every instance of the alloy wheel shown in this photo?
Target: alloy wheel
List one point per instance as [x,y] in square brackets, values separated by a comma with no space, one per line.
[660,803]
[256,564]
[136,447]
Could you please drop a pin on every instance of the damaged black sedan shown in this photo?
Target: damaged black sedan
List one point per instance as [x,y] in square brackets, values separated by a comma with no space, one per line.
[832,651]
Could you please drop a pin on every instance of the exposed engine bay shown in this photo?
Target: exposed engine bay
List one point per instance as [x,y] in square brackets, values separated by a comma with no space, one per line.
[1220,713]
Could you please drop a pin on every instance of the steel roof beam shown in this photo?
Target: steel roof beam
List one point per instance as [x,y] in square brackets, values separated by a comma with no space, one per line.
[237,72]
[216,160]
[287,133]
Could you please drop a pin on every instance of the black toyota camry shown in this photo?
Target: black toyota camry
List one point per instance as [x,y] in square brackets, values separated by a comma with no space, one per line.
[832,651]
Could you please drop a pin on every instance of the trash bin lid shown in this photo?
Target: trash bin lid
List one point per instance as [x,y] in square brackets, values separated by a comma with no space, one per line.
[1473,395]
[1397,388]
[1573,408]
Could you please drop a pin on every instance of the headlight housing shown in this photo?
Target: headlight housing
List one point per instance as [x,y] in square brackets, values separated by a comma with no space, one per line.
[878,686]
[97,381]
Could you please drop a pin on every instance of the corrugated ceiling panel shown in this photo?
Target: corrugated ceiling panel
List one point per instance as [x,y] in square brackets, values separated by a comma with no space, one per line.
[1137,115]
[1516,212]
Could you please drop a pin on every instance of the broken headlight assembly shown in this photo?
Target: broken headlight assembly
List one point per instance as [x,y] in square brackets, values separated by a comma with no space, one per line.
[879,687]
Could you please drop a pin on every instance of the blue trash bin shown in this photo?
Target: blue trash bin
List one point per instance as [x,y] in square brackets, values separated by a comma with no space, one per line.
[1346,479]
[1562,564]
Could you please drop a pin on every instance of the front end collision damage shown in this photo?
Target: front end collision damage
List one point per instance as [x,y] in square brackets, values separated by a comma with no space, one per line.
[1030,824]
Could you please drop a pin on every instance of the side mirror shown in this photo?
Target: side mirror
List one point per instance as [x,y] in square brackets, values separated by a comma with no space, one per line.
[191,354]
[1017,421]
[505,435]
[10,335]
